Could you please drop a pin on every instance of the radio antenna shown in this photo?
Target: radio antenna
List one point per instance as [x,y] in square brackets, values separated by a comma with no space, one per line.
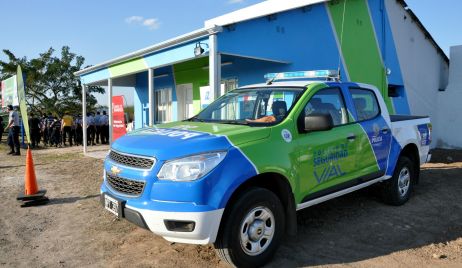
[341,38]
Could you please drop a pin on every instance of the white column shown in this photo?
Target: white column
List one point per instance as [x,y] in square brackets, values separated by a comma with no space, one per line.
[84,117]
[214,66]
[151,96]
[109,107]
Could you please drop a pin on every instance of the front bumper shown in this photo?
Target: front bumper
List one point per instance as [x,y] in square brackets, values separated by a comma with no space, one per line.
[205,223]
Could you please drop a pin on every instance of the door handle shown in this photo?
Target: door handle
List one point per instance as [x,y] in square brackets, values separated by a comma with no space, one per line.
[351,137]
[385,130]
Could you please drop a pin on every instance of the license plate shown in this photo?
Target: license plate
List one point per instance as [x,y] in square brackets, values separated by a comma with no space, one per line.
[112,205]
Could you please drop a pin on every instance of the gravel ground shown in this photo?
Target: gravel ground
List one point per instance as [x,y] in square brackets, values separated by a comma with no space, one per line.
[356,230]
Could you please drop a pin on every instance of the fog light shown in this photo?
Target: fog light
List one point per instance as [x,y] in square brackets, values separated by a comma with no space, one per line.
[179,226]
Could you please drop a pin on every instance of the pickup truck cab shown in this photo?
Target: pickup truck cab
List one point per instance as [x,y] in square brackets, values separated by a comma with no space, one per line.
[236,173]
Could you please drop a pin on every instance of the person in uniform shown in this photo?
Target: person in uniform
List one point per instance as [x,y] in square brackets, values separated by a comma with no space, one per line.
[34,125]
[43,127]
[13,131]
[104,125]
[98,127]
[90,129]
[66,128]
[48,130]
[78,130]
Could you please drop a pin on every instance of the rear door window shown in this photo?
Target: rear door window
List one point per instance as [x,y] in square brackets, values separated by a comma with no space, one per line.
[365,102]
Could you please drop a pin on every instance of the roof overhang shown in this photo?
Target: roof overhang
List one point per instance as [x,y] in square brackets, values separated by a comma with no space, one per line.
[260,10]
[148,50]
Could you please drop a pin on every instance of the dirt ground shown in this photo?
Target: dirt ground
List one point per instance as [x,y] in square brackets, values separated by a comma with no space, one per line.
[356,230]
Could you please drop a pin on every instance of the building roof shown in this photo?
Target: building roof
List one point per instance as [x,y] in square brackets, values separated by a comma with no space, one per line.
[260,10]
[148,50]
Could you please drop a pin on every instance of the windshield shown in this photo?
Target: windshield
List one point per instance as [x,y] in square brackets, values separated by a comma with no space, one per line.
[249,106]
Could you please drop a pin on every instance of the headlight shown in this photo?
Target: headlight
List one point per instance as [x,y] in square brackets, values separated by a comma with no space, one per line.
[190,168]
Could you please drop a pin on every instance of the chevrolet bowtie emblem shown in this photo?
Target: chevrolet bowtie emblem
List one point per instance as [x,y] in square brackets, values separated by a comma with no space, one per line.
[115,170]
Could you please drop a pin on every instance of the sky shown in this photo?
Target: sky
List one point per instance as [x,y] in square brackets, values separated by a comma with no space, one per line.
[101,30]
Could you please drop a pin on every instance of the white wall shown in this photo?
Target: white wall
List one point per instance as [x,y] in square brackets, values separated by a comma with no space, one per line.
[449,105]
[424,70]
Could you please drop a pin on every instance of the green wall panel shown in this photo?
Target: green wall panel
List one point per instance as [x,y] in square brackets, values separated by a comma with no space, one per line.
[128,67]
[359,46]
[193,71]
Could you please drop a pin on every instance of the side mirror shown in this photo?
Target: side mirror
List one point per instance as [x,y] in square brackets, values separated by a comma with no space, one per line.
[318,122]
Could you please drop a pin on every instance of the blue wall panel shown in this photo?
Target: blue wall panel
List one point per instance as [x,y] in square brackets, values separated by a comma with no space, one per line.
[388,50]
[303,37]
[167,82]
[141,100]
[141,97]
[247,71]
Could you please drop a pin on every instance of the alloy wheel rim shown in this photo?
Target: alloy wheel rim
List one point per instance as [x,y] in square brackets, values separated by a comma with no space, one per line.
[257,231]
[404,181]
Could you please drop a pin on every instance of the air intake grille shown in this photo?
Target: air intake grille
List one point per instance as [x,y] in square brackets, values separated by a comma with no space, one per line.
[131,161]
[125,186]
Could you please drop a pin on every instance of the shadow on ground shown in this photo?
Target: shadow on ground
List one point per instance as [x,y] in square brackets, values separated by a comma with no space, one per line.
[359,227]
[67,200]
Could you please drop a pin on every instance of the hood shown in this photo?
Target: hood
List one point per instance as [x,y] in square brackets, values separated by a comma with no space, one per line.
[173,140]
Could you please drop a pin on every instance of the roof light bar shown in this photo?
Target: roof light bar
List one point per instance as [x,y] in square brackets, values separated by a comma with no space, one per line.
[327,74]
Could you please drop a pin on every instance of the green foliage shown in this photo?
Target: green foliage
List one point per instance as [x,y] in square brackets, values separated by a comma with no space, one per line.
[51,86]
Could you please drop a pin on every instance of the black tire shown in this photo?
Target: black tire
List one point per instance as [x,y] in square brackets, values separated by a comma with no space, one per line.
[228,243]
[393,192]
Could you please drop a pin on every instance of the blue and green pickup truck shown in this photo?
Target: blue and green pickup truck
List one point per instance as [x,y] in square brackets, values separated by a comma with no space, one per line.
[236,173]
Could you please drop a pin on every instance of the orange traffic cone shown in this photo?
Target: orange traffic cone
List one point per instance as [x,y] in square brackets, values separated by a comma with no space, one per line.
[32,196]
[30,180]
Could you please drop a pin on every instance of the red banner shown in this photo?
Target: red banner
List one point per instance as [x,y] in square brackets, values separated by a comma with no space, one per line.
[118,117]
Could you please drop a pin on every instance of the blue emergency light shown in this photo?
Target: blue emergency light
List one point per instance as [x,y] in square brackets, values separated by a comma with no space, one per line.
[326,74]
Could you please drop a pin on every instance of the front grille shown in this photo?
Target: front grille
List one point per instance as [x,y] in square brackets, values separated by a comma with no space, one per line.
[125,186]
[131,161]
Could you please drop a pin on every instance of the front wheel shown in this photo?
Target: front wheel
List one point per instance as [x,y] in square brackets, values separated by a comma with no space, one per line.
[252,230]
[397,190]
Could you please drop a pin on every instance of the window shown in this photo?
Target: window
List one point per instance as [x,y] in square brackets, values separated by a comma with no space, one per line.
[254,105]
[328,101]
[163,99]
[365,102]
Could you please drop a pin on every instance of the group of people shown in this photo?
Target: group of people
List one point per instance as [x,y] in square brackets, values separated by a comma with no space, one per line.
[54,131]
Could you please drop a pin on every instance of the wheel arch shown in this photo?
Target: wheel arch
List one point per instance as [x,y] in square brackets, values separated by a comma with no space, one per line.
[412,152]
[276,183]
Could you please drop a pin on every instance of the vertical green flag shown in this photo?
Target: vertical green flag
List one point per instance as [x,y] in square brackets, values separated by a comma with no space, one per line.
[22,102]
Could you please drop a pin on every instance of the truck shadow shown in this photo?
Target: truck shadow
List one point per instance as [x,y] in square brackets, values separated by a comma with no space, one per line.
[358,226]
[72,199]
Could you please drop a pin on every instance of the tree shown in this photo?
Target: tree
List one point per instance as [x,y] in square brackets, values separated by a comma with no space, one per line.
[50,83]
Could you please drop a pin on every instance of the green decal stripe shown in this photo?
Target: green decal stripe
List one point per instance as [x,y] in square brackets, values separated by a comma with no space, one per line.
[193,71]
[359,45]
[131,66]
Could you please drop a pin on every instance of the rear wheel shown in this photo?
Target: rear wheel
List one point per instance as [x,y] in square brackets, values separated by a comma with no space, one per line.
[252,230]
[397,190]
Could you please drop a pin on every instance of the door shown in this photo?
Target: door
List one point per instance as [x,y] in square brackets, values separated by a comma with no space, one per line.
[327,158]
[185,101]
[373,156]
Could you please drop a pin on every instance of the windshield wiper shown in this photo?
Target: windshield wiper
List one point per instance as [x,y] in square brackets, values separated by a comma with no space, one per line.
[234,122]
[195,119]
